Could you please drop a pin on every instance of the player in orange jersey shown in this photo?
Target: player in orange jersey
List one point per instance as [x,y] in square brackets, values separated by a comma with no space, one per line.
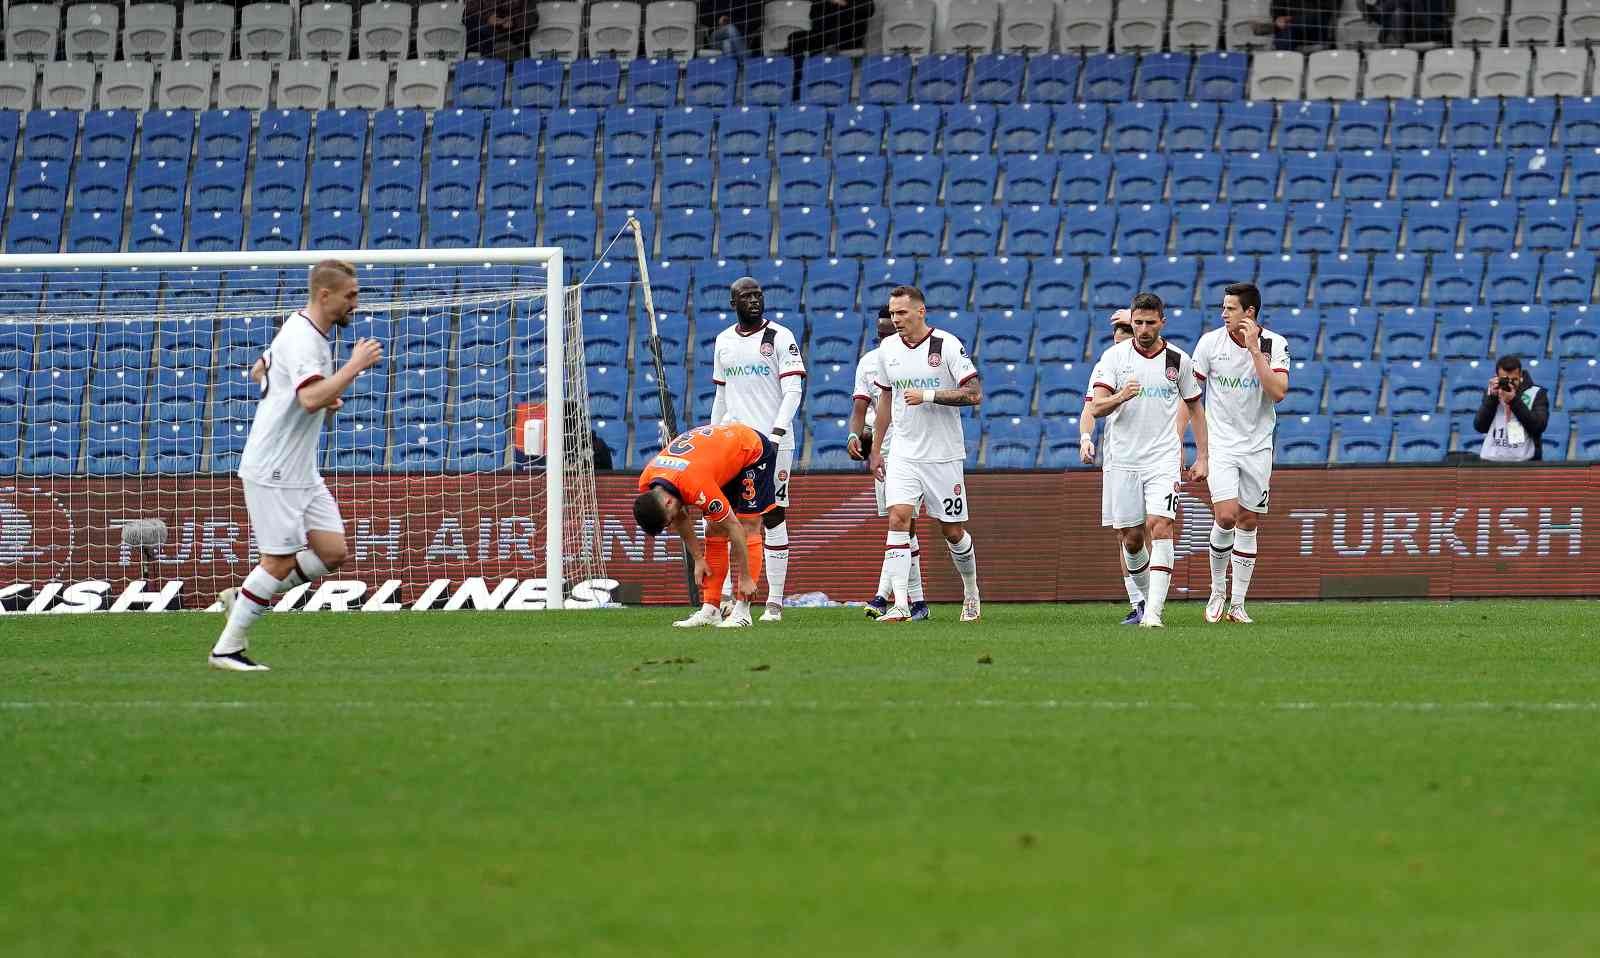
[729,475]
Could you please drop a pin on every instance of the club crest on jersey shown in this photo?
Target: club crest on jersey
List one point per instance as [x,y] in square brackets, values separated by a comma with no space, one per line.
[783,475]
[766,350]
[957,489]
[934,359]
[1172,374]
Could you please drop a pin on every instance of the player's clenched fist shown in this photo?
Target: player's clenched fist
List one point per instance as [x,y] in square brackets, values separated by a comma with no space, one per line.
[366,354]
[1129,390]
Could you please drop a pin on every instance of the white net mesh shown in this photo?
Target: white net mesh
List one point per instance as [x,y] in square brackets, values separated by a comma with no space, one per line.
[125,397]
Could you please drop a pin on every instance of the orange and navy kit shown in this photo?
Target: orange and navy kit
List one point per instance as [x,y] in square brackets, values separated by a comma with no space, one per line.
[718,469]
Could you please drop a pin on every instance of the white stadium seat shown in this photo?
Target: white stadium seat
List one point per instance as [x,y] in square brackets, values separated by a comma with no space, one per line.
[1533,21]
[1582,22]
[1561,71]
[1246,21]
[1447,72]
[421,84]
[150,31]
[266,31]
[1478,23]
[1195,24]
[19,79]
[362,85]
[1391,74]
[91,32]
[32,30]
[442,31]
[970,27]
[325,30]
[560,31]
[782,21]
[1140,25]
[127,85]
[1278,75]
[304,85]
[669,27]
[1085,26]
[67,86]
[185,85]
[244,85]
[614,28]
[1027,26]
[907,26]
[385,32]
[1504,71]
[1333,75]
[207,31]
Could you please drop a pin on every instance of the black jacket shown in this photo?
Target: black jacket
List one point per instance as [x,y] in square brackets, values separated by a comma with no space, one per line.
[1533,416]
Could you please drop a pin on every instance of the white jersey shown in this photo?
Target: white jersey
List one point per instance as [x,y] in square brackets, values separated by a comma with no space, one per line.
[749,369]
[1145,428]
[866,388]
[1103,451]
[282,447]
[929,432]
[1240,417]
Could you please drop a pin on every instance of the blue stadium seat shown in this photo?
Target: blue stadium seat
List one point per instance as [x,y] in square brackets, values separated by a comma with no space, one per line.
[1580,122]
[1300,329]
[969,128]
[886,80]
[1201,228]
[568,184]
[1413,387]
[1141,177]
[997,78]
[1246,126]
[1062,387]
[804,232]
[1309,176]
[1416,125]
[1023,128]
[419,446]
[38,232]
[1052,78]
[830,389]
[744,232]
[1058,285]
[1136,127]
[916,231]
[1424,438]
[686,182]
[1431,226]
[608,390]
[783,279]
[1580,385]
[1585,183]
[1218,270]
[216,231]
[1464,333]
[478,84]
[336,185]
[476,446]
[1365,175]
[1361,125]
[1587,444]
[1191,127]
[94,231]
[279,185]
[508,228]
[1113,281]
[803,181]
[1548,224]
[1303,126]
[859,180]
[1032,230]
[454,229]
[50,135]
[1253,177]
[1060,337]
[1478,174]
[275,230]
[861,230]
[573,132]
[1472,124]
[482,392]
[1285,280]
[1455,279]
[970,179]
[284,135]
[1109,76]
[514,134]
[1522,330]
[1464,384]
[653,83]
[712,280]
[858,131]
[947,283]
[711,82]
[974,230]
[396,185]
[169,135]
[940,78]
[41,186]
[50,448]
[1005,336]
[1059,443]
[833,285]
[1303,440]
[1566,278]
[537,84]
[802,131]
[630,132]
[573,231]
[835,338]
[113,448]
[1422,174]
[1577,334]
[1163,77]
[1173,278]
[108,135]
[744,132]
[1349,334]
[1142,229]
[1079,128]
[1374,226]
[1365,439]
[1090,230]
[745,181]
[594,83]
[1002,284]
[1258,228]
[826,80]
[1553,443]
[396,135]
[160,186]
[630,183]
[1407,333]
[915,180]
[1341,280]
[1537,174]
[1196,178]
[1013,442]
[1220,75]
[1304,397]
[913,128]
[1528,122]
[1509,278]
[219,185]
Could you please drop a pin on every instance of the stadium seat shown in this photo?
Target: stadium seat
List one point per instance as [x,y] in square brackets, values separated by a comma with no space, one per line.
[804,232]
[1504,72]
[744,132]
[1303,125]
[947,283]
[1113,281]
[1306,381]
[1060,337]
[1472,124]
[1136,127]
[1488,226]
[1333,74]
[1079,128]
[969,128]
[1576,333]
[861,230]
[913,128]
[996,78]
[1365,175]
[1391,74]
[1587,444]
[1464,385]
[1431,226]
[1455,279]
[1279,75]
[1032,230]
[1309,176]
[571,132]
[1548,225]
[1013,442]
[1580,386]
[41,185]
[1303,439]
[1253,177]
[1196,178]
[630,132]
[1052,78]
[1090,230]
[1342,280]
[1142,229]
[1173,278]
[1566,278]
[857,131]
[1424,438]
[973,231]
[1509,279]
[1140,178]
[1058,285]
[1300,328]
[1108,77]
[1374,227]
[1316,227]
[1413,387]
[1407,334]
[940,79]
[1219,270]
[1416,124]
[1246,126]
[1007,389]
[1201,228]
[885,80]
[1364,439]
[1002,284]
[1192,127]
[1464,333]
[478,84]
[1349,334]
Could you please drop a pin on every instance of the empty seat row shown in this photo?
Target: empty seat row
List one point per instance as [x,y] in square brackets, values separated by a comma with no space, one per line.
[1403,73]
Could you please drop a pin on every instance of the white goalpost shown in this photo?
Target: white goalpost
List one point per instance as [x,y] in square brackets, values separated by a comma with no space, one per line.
[125,401]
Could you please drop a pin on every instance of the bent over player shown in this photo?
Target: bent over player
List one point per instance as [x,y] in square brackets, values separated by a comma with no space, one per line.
[924,377]
[760,378]
[1140,383]
[729,475]
[296,523]
[1246,372]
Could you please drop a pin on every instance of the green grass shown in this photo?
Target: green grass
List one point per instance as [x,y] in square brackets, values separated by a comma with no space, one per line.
[1341,779]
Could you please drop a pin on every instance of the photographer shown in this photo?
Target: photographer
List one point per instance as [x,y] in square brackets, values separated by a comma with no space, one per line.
[1513,414]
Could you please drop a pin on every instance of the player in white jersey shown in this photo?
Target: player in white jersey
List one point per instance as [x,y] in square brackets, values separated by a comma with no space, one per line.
[1121,329]
[924,378]
[296,523]
[760,379]
[1245,369]
[1140,383]
[860,442]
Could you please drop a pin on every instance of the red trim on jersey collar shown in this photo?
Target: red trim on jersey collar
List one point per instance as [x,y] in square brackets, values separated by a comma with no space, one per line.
[764,324]
[1161,345]
[1236,340]
[302,314]
[918,342]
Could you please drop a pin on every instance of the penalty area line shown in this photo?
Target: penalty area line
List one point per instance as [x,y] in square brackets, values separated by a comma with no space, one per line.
[1107,705]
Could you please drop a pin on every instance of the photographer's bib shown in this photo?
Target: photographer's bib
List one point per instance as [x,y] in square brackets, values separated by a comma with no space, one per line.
[1506,440]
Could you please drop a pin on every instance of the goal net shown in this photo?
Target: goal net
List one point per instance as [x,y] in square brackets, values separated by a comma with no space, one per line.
[462,464]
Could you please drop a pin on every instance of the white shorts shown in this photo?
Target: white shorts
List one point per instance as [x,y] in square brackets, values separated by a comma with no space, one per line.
[1105,498]
[883,495]
[280,516]
[785,468]
[938,486]
[1136,496]
[1247,478]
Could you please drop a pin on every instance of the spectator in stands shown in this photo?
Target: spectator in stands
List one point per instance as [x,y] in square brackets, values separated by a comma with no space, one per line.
[1513,414]
[602,452]
[727,39]
[500,28]
[1303,23]
[835,25]
[743,16]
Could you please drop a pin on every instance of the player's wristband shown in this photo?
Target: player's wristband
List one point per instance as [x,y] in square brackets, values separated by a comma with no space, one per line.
[855,436]
[928,394]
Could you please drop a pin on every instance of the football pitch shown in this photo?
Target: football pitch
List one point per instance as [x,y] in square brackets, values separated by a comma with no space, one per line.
[1339,779]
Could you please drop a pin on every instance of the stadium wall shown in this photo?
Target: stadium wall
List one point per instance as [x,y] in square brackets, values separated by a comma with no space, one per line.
[1359,532]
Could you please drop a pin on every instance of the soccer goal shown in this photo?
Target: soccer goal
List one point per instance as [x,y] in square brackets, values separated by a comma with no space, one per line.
[125,401]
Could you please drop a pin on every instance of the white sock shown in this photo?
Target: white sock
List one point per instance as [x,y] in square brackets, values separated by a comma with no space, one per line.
[897,557]
[741,607]
[1135,594]
[775,550]
[884,585]
[1221,551]
[965,556]
[1138,564]
[1244,563]
[914,584]
[255,600]
[307,568]
[1160,576]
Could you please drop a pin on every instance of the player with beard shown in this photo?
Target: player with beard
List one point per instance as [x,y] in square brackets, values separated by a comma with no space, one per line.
[296,523]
